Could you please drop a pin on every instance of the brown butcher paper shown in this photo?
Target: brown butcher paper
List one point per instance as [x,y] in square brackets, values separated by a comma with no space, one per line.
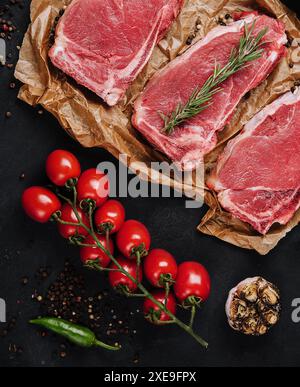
[94,124]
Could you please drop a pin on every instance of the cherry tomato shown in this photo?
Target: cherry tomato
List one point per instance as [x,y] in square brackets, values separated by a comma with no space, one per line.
[192,281]
[132,237]
[110,217]
[160,267]
[95,253]
[40,203]
[117,279]
[93,184]
[62,166]
[153,313]
[68,215]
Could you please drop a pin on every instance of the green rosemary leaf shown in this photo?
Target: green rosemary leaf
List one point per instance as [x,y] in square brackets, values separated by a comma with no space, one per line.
[250,48]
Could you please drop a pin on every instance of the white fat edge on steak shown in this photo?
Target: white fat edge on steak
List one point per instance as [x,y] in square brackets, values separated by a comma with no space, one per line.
[107,90]
[112,94]
[59,49]
[262,225]
[225,200]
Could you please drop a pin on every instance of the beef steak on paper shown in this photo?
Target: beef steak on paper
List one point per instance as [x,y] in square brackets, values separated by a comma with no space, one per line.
[257,176]
[173,86]
[104,44]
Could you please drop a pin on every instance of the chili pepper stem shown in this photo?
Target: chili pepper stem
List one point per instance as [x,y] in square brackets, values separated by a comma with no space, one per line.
[106,346]
[162,307]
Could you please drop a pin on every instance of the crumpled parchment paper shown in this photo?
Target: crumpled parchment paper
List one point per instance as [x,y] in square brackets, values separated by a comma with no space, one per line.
[83,115]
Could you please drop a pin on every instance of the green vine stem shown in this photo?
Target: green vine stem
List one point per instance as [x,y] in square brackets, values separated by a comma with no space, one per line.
[193,314]
[95,266]
[167,292]
[107,235]
[173,319]
[138,264]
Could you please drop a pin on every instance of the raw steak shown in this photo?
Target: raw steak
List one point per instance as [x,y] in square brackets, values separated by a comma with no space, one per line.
[258,174]
[104,44]
[175,83]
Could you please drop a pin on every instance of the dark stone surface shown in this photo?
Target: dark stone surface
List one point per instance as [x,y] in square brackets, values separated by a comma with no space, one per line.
[26,140]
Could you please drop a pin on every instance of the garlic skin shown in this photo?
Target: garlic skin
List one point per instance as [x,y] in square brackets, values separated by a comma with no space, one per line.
[253,306]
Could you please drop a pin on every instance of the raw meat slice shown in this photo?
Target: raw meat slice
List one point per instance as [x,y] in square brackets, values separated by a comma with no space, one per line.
[261,208]
[104,44]
[258,174]
[175,83]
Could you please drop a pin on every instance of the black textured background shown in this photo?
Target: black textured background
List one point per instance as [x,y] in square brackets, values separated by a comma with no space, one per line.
[26,140]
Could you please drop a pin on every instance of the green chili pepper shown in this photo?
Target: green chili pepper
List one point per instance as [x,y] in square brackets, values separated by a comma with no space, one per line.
[77,334]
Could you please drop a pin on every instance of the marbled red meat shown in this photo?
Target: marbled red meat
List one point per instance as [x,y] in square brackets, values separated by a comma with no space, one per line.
[175,83]
[104,44]
[258,174]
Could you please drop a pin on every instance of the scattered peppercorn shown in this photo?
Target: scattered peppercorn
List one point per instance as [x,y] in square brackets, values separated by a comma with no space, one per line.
[221,22]
[25,280]
[67,297]
[136,358]
[190,40]
[53,28]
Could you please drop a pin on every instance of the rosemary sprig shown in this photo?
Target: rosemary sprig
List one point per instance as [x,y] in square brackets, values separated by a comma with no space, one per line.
[249,49]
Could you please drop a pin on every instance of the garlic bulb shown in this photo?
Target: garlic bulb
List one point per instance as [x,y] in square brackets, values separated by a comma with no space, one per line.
[253,306]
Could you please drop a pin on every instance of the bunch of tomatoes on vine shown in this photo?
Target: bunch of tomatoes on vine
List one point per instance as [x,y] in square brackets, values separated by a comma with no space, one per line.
[85,215]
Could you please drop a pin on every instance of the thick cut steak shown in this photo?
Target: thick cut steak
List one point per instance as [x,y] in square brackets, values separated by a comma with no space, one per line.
[104,44]
[175,83]
[258,174]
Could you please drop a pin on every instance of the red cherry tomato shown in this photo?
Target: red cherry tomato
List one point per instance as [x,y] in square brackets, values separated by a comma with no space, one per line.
[110,217]
[153,313]
[93,184]
[62,166]
[133,236]
[95,253]
[116,278]
[160,267]
[68,215]
[40,203]
[192,281]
